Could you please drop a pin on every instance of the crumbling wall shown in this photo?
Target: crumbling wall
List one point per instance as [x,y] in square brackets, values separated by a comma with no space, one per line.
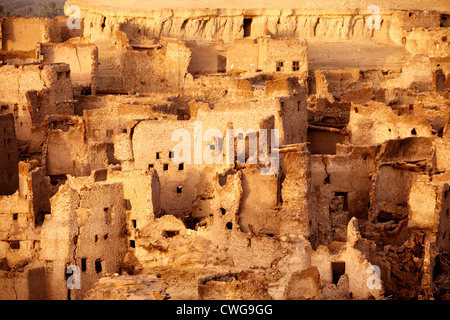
[115,287]
[86,229]
[296,189]
[67,152]
[142,198]
[23,34]
[152,148]
[286,56]
[32,92]
[82,59]
[156,70]
[243,55]
[258,211]
[377,123]
[433,42]
[204,58]
[240,286]
[342,184]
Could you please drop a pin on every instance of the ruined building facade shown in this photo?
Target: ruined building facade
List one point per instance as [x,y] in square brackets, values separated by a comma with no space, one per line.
[336,187]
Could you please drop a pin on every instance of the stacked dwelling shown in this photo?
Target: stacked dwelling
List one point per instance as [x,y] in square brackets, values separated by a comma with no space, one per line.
[296,153]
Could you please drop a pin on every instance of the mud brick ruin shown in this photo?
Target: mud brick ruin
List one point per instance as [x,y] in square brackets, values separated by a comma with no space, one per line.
[357,207]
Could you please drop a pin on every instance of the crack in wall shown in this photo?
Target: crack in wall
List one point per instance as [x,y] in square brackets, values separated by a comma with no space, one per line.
[327,179]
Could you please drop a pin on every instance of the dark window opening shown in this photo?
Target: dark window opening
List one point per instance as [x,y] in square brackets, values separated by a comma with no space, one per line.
[338,269]
[132,244]
[170,233]
[165,167]
[134,222]
[445,22]
[326,180]
[345,199]
[15,244]
[413,132]
[295,66]
[181,166]
[270,235]
[157,155]
[4,107]
[83,264]
[86,92]
[171,155]
[150,166]
[444,38]
[55,180]
[247,27]
[127,204]
[279,66]
[98,266]
[103,23]
[15,216]
[105,237]
[229,226]
[223,211]
[212,147]
[96,238]
[179,189]
[108,215]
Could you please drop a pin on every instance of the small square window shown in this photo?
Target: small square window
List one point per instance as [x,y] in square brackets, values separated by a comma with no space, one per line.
[151,166]
[212,147]
[132,244]
[15,244]
[171,155]
[83,264]
[179,189]
[134,222]
[165,167]
[181,166]
[280,65]
[157,155]
[295,66]
[15,216]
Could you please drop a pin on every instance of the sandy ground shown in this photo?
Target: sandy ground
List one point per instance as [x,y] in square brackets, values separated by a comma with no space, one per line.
[442,5]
